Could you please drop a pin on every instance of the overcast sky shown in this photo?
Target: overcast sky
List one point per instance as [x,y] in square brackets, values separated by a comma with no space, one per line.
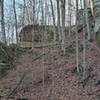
[8,8]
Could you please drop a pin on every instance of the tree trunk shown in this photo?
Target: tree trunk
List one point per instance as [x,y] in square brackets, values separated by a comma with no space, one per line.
[34,12]
[86,5]
[58,20]
[77,50]
[97,15]
[63,23]
[84,45]
[2,22]
[69,17]
[53,16]
[15,16]
[23,19]
[33,24]
[42,20]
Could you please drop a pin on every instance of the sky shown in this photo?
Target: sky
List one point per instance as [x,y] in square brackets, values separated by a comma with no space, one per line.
[8,8]
[7,13]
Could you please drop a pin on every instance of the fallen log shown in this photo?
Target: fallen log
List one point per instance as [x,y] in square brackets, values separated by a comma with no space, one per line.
[39,56]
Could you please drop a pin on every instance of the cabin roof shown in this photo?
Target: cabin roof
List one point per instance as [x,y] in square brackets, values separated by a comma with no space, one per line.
[29,28]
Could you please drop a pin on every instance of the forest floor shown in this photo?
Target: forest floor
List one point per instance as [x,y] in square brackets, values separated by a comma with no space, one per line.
[60,82]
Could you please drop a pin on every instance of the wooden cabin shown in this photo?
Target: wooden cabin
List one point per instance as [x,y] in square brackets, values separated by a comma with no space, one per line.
[33,33]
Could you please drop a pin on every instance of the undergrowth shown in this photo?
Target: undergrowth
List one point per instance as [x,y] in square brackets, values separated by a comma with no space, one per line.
[7,55]
[41,77]
[98,38]
[88,78]
[72,48]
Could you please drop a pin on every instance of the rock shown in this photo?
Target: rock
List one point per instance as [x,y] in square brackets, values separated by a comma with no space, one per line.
[98,82]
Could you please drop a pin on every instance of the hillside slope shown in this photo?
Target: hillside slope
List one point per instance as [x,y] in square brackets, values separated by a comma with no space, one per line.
[61,80]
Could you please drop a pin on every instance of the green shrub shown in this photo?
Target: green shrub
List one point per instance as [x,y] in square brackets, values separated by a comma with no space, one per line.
[3,68]
[50,35]
[89,78]
[74,71]
[72,48]
[7,54]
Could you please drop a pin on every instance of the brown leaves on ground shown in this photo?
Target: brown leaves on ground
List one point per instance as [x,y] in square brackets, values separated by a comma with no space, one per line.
[60,82]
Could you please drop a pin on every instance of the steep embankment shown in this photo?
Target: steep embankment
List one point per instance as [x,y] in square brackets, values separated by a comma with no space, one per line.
[61,81]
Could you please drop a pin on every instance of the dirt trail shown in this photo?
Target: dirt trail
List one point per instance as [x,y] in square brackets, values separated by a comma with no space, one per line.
[64,84]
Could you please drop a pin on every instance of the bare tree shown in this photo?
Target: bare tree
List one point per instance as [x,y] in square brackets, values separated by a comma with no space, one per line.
[97,15]
[69,16]
[33,23]
[38,11]
[58,19]
[23,15]
[2,21]
[53,16]
[34,12]
[86,5]
[63,3]
[77,45]
[84,44]
[15,17]
[42,11]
